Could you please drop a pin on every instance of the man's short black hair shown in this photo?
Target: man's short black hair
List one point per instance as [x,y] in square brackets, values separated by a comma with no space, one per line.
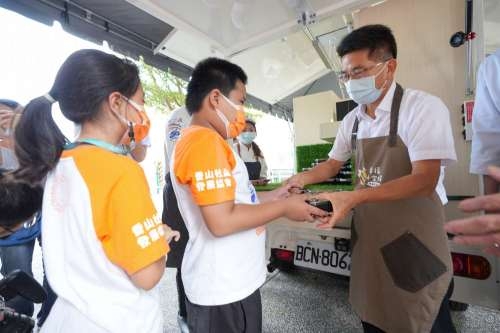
[209,74]
[377,39]
[19,201]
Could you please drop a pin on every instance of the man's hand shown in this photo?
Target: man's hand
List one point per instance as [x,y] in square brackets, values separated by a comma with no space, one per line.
[342,203]
[296,181]
[318,174]
[482,230]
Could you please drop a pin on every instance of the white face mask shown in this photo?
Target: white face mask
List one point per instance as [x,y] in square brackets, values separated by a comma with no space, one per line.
[247,138]
[364,91]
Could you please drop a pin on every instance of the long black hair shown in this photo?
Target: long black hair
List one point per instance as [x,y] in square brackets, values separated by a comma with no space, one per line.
[255,147]
[82,84]
[19,200]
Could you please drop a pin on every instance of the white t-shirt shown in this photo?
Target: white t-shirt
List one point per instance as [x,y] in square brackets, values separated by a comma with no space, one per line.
[206,171]
[179,119]
[424,127]
[486,117]
[100,226]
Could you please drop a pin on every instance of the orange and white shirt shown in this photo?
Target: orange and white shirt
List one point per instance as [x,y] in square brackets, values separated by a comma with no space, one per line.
[205,171]
[99,225]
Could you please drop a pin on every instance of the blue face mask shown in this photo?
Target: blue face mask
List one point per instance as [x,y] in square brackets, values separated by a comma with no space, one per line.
[247,138]
[364,91]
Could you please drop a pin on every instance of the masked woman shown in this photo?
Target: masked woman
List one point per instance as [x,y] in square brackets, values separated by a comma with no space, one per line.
[251,154]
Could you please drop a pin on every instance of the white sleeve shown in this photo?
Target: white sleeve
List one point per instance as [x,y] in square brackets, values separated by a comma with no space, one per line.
[428,132]
[486,122]
[263,168]
[342,149]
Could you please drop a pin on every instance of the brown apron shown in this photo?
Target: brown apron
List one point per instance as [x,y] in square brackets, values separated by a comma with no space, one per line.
[401,264]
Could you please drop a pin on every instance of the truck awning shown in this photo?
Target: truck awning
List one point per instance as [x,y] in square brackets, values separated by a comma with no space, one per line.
[287,63]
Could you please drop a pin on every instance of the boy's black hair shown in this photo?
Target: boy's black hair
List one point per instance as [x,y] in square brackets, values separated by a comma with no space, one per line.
[209,74]
[377,39]
[19,201]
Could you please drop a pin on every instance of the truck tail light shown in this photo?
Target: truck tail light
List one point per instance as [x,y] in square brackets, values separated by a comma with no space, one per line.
[283,255]
[470,266]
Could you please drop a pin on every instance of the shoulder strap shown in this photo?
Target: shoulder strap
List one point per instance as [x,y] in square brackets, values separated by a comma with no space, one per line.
[354,134]
[396,105]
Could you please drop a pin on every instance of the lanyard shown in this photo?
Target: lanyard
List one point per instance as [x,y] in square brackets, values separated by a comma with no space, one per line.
[121,149]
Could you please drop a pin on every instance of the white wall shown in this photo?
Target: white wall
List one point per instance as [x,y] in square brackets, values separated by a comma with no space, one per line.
[309,112]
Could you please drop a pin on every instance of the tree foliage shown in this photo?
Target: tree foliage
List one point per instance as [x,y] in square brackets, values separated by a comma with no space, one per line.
[163,90]
[166,92]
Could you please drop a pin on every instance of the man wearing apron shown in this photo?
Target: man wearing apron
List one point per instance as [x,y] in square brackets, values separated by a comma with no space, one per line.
[401,139]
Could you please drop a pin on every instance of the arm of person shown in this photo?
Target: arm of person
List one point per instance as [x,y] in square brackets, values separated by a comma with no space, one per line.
[318,174]
[133,236]
[481,230]
[148,277]
[340,153]
[205,163]
[228,218]
[421,182]
[429,139]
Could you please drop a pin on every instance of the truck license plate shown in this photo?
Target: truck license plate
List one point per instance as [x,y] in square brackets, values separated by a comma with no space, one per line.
[322,256]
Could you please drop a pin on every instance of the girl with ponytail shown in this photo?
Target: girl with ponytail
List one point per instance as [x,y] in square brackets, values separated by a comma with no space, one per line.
[104,246]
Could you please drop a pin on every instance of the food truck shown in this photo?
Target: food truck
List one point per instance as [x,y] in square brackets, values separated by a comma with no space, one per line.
[287,48]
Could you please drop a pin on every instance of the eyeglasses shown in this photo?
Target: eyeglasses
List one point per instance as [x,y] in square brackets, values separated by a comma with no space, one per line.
[358,73]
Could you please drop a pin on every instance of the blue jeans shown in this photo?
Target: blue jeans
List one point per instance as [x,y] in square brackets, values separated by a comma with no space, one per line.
[18,257]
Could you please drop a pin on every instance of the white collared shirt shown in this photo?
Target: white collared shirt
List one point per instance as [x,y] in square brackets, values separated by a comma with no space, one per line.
[247,155]
[486,117]
[424,127]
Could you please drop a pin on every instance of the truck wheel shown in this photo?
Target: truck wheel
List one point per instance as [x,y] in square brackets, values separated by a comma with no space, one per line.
[457,306]
[286,268]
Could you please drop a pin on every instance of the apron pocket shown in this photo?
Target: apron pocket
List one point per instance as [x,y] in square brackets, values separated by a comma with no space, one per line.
[411,264]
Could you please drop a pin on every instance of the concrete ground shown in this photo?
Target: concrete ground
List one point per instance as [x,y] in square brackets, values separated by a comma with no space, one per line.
[306,301]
